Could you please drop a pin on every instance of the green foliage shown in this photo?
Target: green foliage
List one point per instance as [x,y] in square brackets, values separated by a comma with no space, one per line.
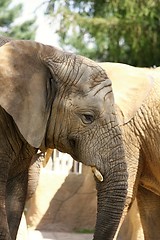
[84,231]
[105,30]
[8,27]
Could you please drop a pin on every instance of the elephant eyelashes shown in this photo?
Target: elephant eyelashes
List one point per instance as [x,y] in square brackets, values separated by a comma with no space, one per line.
[87,118]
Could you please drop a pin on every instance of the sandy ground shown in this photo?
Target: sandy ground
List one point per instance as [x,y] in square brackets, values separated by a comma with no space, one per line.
[37,235]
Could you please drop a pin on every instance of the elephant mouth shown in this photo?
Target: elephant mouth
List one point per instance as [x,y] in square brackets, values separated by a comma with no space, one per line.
[97,174]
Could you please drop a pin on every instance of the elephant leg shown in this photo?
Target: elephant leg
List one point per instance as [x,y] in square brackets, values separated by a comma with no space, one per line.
[34,173]
[149,209]
[4,228]
[131,228]
[15,201]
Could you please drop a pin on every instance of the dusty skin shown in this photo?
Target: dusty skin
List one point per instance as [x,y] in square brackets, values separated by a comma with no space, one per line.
[137,102]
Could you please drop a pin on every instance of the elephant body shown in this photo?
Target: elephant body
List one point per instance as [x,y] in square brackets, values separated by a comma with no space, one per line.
[137,99]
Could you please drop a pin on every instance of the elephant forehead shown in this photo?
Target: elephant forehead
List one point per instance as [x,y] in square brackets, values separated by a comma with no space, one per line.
[95,86]
[95,102]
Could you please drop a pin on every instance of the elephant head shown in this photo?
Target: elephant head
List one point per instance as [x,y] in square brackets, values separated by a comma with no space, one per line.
[65,101]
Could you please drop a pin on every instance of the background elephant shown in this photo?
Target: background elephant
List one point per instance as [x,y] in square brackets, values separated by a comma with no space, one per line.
[50,98]
[137,102]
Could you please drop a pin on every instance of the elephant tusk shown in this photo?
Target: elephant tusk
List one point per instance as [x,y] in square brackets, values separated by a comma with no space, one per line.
[97,174]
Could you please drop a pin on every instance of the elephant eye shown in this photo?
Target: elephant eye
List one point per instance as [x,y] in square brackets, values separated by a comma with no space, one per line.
[87,118]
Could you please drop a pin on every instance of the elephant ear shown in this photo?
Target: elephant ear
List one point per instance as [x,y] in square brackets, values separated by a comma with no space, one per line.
[131,86]
[26,90]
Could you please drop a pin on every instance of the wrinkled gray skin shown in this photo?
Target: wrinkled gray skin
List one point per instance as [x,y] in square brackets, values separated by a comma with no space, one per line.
[50,98]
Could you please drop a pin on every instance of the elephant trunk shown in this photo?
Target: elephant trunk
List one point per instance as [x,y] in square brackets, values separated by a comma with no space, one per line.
[111,196]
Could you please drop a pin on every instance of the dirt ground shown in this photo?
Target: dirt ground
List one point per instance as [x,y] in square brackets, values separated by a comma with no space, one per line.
[32,235]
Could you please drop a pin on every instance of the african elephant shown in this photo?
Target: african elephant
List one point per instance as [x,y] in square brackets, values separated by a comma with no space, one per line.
[137,103]
[55,99]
